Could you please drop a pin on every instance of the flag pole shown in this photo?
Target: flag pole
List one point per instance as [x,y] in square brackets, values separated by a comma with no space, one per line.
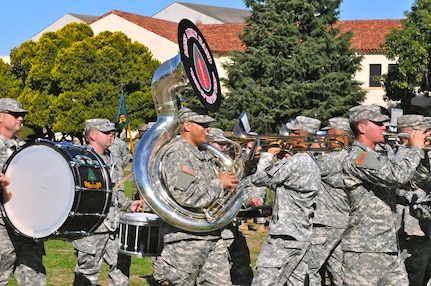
[132,148]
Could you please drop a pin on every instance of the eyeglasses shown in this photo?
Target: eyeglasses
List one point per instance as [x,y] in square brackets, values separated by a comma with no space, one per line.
[203,125]
[15,114]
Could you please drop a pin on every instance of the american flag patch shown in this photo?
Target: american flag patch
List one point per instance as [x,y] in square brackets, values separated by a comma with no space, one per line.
[361,158]
[186,169]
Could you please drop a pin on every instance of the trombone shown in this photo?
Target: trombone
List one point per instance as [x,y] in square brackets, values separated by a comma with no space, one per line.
[291,144]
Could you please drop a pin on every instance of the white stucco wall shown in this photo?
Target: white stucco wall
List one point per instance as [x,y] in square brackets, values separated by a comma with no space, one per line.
[176,12]
[5,59]
[57,25]
[162,48]
[374,95]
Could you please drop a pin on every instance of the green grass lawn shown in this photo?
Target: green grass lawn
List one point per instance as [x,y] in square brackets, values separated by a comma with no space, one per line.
[60,260]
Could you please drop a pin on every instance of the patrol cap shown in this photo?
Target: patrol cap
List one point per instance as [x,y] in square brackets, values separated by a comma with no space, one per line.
[143,127]
[216,135]
[194,113]
[11,105]
[414,121]
[427,120]
[101,124]
[367,112]
[304,123]
[338,123]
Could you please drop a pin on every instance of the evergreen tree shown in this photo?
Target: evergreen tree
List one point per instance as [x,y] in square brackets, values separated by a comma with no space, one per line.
[411,47]
[296,62]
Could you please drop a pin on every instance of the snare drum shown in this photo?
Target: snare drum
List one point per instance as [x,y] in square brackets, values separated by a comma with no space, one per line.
[140,234]
[57,190]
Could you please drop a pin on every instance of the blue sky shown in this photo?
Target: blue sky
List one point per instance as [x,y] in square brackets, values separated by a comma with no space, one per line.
[21,20]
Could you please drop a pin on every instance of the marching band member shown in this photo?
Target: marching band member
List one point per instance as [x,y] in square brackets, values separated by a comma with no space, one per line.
[370,247]
[191,258]
[25,254]
[414,233]
[296,181]
[103,243]
[332,209]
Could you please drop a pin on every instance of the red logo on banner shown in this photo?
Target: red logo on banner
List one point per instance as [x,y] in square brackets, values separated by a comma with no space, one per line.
[201,69]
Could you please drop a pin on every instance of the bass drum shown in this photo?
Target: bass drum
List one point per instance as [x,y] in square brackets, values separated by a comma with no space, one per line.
[58,190]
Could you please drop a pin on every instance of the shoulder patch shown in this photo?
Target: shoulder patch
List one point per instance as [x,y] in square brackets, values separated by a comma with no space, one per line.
[368,160]
[361,158]
[186,169]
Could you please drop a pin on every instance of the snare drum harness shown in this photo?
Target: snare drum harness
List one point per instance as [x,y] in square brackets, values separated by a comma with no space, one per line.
[115,204]
[11,146]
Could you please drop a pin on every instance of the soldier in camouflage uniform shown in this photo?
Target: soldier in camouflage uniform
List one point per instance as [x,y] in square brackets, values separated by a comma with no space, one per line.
[122,156]
[296,181]
[29,269]
[414,234]
[370,247]
[332,209]
[103,244]
[189,174]
[239,253]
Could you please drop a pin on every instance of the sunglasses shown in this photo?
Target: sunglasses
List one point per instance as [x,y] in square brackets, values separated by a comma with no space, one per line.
[15,114]
[378,123]
[203,125]
[107,132]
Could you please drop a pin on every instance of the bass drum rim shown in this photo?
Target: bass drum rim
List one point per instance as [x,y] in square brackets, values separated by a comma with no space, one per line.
[43,203]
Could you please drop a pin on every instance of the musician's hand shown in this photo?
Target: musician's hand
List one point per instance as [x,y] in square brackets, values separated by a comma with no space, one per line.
[4,181]
[258,150]
[136,206]
[228,180]
[275,147]
[417,138]
[255,202]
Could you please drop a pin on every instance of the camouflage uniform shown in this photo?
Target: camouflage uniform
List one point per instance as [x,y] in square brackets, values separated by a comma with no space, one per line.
[330,220]
[122,156]
[370,245]
[414,234]
[103,244]
[17,251]
[331,215]
[193,258]
[296,181]
[239,253]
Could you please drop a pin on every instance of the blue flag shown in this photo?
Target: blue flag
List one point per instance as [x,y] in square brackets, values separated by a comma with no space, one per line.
[122,119]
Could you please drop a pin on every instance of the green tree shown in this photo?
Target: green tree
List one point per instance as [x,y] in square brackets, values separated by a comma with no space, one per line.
[296,62]
[9,85]
[410,46]
[71,75]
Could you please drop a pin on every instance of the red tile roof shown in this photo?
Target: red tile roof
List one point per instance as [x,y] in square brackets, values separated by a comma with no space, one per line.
[223,38]
[368,34]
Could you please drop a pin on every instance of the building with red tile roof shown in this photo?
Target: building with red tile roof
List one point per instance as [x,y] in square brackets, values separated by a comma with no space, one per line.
[221,31]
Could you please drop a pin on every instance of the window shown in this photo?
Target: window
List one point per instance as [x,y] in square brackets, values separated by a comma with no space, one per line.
[375,72]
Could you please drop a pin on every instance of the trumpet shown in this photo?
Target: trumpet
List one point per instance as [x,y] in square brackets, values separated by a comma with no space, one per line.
[393,138]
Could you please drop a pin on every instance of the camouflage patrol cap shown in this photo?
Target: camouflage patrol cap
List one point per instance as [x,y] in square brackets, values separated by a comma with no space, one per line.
[338,123]
[414,121]
[304,123]
[367,112]
[143,127]
[101,124]
[427,121]
[216,135]
[11,105]
[194,113]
